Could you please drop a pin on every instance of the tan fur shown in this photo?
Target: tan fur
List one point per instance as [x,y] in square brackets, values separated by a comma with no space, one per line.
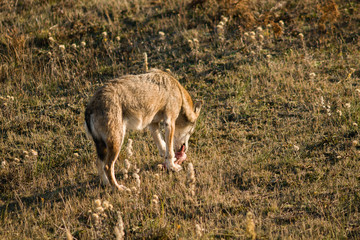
[136,102]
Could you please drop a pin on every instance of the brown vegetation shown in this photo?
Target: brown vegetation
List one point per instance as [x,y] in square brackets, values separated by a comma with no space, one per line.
[275,154]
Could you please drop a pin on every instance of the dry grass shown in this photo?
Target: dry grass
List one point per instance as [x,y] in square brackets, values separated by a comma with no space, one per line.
[276,150]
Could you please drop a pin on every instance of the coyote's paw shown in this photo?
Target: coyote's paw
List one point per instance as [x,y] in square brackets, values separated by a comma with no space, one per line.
[123,188]
[172,166]
[175,167]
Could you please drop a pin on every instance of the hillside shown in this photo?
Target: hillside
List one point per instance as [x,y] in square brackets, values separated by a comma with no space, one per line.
[276,148]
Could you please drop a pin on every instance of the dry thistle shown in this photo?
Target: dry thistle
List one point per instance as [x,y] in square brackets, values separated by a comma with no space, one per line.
[127,164]
[119,228]
[160,166]
[155,199]
[253,38]
[125,172]
[312,75]
[146,67]
[281,23]
[296,148]
[198,230]
[301,36]
[97,203]
[261,39]
[196,43]
[162,35]
[62,47]
[155,202]
[95,217]
[220,29]
[106,204]
[191,43]
[190,177]
[224,19]
[83,44]
[99,209]
[128,149]
[268,60]
[74,46]
[137,180]
[26,154]
[3,164]
[328,110]
[250,225]
[322,101]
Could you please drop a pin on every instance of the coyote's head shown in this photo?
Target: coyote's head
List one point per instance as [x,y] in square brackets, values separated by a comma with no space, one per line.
[185,126]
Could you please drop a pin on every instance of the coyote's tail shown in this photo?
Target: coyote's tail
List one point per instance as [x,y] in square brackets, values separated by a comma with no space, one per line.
[99,143]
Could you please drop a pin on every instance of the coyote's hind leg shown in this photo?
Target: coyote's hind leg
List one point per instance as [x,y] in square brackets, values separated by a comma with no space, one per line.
[113,143]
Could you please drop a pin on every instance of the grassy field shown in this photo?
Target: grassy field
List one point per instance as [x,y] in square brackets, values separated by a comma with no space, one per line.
[276,148]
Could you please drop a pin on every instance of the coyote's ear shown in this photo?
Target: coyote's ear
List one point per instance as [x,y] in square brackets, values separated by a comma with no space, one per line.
[197,107]
[192,114]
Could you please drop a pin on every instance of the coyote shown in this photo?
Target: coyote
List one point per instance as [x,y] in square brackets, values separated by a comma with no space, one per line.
[135,102]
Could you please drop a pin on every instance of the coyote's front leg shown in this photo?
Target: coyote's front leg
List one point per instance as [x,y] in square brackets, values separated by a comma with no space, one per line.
[170,154]
[156,134]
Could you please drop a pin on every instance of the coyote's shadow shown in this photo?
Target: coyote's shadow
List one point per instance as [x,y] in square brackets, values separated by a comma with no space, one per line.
[41,199]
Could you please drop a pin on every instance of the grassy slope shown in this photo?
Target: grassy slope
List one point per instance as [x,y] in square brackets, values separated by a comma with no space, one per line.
[277,136]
